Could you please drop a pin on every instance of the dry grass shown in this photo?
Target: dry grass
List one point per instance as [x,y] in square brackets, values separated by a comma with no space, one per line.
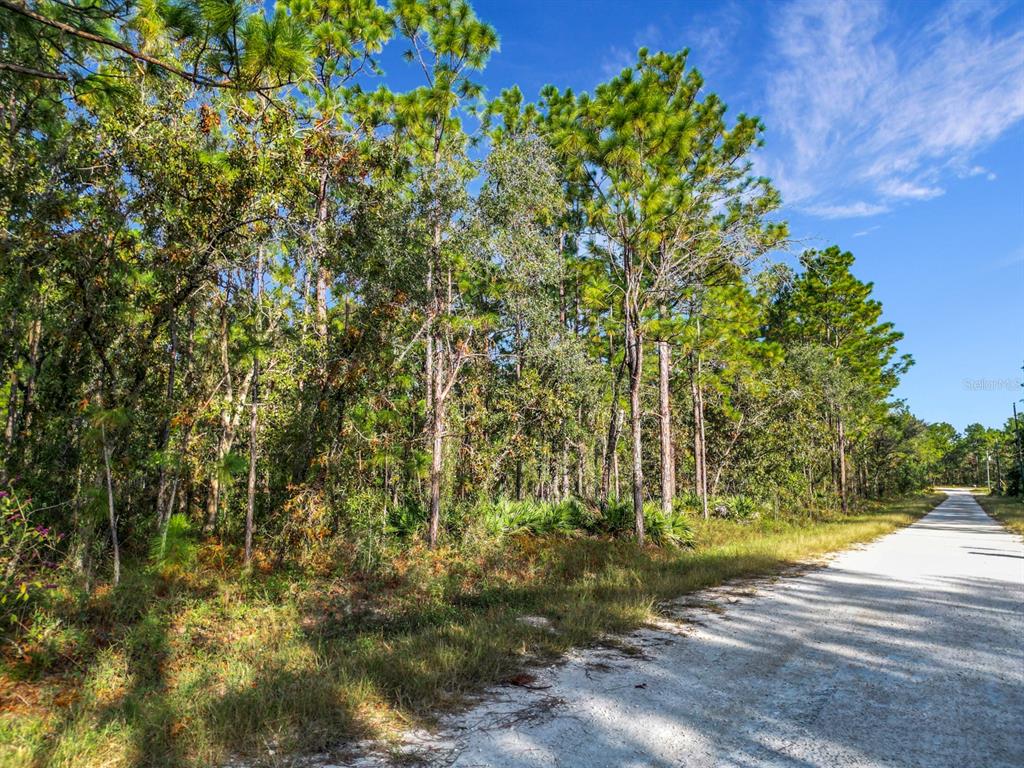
[1009,510]
[189,673]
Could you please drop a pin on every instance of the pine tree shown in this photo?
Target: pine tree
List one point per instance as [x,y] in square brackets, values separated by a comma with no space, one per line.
[829,309]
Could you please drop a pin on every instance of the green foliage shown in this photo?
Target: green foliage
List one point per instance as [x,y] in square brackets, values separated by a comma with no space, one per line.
[936,454]
[173,552]
[367,523]
[504,516]
[672,530]
[740,508]
[406,520]
[28,553]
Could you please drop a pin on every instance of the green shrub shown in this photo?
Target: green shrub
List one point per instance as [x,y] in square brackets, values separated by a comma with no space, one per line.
[741,509]
[666,530]
[27,560]
[745,508]
[672,530]
[538,518]
[687,502]
[617,517]
[406,520]
[366,518]
[174,551]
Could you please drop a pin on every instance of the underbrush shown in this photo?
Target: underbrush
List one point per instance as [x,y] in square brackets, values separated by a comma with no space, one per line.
[189,661]
[573,517]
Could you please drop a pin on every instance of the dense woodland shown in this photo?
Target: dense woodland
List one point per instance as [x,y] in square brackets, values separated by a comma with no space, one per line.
[253,294]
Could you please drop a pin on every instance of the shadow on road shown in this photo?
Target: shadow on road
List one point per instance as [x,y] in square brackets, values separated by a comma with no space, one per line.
[907,653]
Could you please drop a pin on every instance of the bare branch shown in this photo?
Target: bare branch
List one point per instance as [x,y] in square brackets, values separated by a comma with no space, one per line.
[33,72]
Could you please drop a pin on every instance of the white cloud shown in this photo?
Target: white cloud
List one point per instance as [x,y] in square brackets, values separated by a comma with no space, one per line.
[711,36]
[869,106]
[1013,259]
[846,211]
[864,232]
[908,190]
[964,171]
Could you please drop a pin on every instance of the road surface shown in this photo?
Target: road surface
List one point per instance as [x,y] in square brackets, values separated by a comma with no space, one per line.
[907,652]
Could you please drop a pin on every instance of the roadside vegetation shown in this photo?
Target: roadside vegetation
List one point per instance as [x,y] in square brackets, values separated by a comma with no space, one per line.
[1008,510]
[188,662]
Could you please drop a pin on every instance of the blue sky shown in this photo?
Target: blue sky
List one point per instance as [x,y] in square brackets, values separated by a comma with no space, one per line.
[895,130]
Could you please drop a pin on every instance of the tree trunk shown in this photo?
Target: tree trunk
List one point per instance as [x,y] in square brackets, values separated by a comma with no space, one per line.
[703,445]
[110,507]
[619,418]
[320,251]
[306,282]
[12,409]
[700,477]
[519,375]
[841,434]
[612,439]
[428,361]
[213,494]
[435,375]
[580,456]
[436,446]
[230,414]
[436,466]
[634,349]
[34,336]
[250,509]
[580,491]
[165,430]
[561,479]
[668,476]
[566,490]
[83,531]
[562,326]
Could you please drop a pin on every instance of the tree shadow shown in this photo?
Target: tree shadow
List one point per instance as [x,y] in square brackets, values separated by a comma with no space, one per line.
[839,667]
[142,707]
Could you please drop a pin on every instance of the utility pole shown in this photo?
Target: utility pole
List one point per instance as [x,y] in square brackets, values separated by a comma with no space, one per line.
[988,472]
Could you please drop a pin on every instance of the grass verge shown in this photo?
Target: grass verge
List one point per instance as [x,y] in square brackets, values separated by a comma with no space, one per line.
[191,670]
[1008,510]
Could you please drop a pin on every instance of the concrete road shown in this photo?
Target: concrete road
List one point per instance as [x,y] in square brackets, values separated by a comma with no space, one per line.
[907,652]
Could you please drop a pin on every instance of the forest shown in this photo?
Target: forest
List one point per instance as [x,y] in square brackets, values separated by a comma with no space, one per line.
[268,318]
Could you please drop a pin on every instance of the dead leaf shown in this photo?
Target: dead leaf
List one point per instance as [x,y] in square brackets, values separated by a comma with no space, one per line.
[524,680]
